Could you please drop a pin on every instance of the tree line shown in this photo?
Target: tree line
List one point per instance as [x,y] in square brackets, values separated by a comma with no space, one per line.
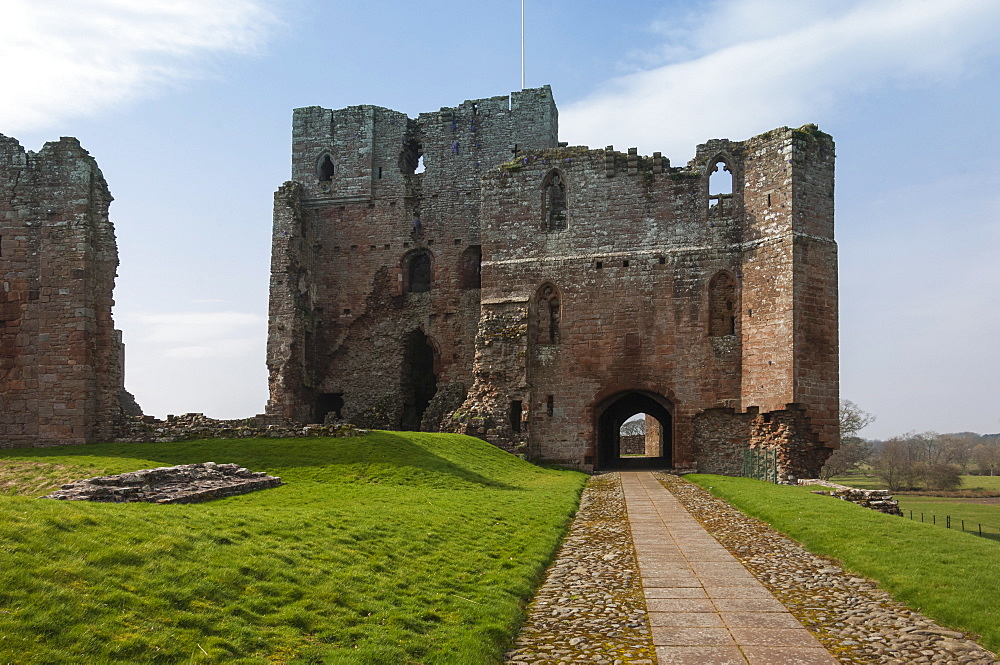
[915,460]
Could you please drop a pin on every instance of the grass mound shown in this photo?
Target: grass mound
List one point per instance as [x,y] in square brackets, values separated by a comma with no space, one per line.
[952,577]
[393,547]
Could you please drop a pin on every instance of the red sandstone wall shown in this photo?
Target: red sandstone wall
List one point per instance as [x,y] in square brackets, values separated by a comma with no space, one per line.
[340,306]
[60,356]
[630,264]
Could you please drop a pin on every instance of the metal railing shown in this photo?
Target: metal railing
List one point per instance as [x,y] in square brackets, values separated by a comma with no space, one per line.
[761,464]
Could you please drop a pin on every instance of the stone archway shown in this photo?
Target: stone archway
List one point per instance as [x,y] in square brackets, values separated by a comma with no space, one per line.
[618,408]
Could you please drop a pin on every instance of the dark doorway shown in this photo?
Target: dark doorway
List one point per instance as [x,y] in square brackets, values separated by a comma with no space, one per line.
[327,403]
[614,412]
[419,379]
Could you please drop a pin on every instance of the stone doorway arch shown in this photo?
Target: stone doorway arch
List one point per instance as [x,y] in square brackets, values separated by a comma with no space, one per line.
[618,408]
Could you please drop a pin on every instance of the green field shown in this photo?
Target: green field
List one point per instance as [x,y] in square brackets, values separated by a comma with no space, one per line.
[387,548]
[974,514]
[952,577]
[871,482]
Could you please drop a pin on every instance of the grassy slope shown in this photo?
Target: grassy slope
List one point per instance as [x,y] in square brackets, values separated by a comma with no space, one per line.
[394,547]
[952,577]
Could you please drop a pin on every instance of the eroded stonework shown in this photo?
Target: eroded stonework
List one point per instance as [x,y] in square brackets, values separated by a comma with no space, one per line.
[61,359]
[185,483]
[465,271]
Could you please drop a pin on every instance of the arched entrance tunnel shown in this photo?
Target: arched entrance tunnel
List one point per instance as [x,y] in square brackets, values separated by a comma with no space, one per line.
[614,412]
[419,379]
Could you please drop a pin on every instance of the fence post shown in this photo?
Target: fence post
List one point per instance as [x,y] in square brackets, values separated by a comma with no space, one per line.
[963,526]
[948,518]
[980,529]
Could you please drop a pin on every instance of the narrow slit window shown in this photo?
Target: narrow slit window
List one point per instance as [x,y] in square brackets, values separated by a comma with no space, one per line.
[516,411]
[554,202]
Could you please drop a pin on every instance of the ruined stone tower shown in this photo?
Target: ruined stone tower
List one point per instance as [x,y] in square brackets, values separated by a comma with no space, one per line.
[60,355]
[538,296]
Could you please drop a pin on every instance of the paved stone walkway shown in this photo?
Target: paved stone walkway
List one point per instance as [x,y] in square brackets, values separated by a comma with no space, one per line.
[704,607]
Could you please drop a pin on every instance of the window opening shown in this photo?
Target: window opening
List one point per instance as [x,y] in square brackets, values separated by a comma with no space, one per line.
[722,305]
[548,315]
[328,404]
[554,204]
[420,168]
[471,267]
[516,411]
[419,273]
[325,170]
[550,405]
[720,187]
[411,157]
[380,173]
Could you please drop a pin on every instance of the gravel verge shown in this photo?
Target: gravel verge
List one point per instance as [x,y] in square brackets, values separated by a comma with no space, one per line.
[851,616]
[591,608]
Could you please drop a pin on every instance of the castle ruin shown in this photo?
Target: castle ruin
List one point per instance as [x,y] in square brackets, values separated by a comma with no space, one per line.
[464,271]
[61,359]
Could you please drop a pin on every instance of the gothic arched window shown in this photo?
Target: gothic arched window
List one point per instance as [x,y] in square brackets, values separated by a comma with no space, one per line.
[722,305]
[324,169]
[554,202]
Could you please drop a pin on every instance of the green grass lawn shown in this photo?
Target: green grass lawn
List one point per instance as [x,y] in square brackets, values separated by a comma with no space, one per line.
[950,576]
[387,548]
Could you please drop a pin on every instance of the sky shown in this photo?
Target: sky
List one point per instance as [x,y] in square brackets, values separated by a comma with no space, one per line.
[186,105]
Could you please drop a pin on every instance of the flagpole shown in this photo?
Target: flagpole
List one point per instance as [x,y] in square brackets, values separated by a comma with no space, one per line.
[522,44]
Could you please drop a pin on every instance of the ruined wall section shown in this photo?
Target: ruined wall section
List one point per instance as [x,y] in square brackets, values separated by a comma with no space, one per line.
[60,355]
[631,272]
[817,346]
[790,282]
[400,189]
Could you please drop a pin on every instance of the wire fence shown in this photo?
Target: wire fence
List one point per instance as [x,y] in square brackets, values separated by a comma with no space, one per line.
[761,464]
[967,526]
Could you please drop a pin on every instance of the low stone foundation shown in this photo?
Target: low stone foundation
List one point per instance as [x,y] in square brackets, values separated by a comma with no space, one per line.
[878,500]
[146,429]
[187,483]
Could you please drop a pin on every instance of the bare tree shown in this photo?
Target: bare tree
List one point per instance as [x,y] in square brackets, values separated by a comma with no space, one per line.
[898,464]
[854,451]
[986,456]
[853,418]
[633,427]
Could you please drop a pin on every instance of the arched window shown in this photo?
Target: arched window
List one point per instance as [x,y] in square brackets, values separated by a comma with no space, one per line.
[418,272]
[548,313]
[470,268]
[324,169]
[720,187]
[722,305]
[554,202]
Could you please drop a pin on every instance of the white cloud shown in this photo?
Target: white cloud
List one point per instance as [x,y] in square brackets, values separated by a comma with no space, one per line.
[747,67]
[65,58]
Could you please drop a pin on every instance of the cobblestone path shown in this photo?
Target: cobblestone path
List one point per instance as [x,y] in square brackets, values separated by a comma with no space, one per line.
[592,608]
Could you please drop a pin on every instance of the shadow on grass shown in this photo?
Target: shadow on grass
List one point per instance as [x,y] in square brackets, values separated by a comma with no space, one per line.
[397,458]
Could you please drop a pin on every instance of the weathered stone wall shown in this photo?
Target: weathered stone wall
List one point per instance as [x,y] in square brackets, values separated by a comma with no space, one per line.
[342,307]
[605,276]
[61,375]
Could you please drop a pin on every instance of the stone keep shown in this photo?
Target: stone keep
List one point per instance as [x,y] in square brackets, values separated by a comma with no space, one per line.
[465,271]
[60,355]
